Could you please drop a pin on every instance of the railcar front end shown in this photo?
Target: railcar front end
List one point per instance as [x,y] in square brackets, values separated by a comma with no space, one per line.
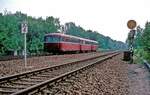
[51,43]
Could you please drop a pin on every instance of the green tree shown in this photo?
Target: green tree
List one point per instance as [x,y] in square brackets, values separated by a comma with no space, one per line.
[137,40]
[11,38]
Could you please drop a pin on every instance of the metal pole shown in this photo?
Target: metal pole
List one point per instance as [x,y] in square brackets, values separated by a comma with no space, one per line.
[25,51]
[24,30]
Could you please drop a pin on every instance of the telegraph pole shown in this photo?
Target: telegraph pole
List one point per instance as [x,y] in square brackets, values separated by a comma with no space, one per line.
[24,30]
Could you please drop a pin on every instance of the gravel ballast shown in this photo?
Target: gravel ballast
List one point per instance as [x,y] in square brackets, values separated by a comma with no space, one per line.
[17,66]
[112,77]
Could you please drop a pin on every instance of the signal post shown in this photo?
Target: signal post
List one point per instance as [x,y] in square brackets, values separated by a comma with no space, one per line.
[131,25]
[24,30]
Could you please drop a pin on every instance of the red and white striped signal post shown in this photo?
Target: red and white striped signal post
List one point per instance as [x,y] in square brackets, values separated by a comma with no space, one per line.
[24,30]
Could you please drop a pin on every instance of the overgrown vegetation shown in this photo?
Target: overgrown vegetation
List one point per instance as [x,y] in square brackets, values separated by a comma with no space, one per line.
[11,38]
[142,42]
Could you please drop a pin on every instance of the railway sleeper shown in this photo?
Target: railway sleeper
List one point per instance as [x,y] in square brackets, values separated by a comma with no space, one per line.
[31,80]
[12,87]
[47,76]
[23,83]
[9,81]
[38,78]
[3,92]
[47,73]
[9,89]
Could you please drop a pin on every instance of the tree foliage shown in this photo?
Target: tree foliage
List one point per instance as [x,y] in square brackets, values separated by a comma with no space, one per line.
[142,40]
[11,38]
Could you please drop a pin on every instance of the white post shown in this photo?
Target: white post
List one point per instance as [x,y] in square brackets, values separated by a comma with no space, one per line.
[25,50]
[24,30]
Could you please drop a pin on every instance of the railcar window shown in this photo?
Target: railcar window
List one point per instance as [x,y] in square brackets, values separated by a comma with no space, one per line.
[52,39]
[87,42]
[66,39]
[74,40]
[83,42]
[92,43]
[77,40]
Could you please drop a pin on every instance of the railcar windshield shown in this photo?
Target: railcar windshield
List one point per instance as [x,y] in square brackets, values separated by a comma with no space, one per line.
[52,39]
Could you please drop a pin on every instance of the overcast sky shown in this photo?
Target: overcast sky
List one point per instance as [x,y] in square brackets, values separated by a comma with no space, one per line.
[108,17]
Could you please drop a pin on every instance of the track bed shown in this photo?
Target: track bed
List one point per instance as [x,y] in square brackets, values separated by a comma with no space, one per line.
[15,83]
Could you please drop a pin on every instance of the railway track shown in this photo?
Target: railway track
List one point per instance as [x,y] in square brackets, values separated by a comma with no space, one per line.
[36,80]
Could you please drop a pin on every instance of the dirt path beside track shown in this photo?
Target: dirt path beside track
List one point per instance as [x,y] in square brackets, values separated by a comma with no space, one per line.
[139,78]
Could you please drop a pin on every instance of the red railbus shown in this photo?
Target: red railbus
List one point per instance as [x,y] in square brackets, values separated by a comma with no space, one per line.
[58,42]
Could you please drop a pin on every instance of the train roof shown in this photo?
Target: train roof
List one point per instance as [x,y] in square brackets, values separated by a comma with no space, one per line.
[65,35]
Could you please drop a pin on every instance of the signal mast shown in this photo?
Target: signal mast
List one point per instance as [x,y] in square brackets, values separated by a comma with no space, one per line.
[131,25]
